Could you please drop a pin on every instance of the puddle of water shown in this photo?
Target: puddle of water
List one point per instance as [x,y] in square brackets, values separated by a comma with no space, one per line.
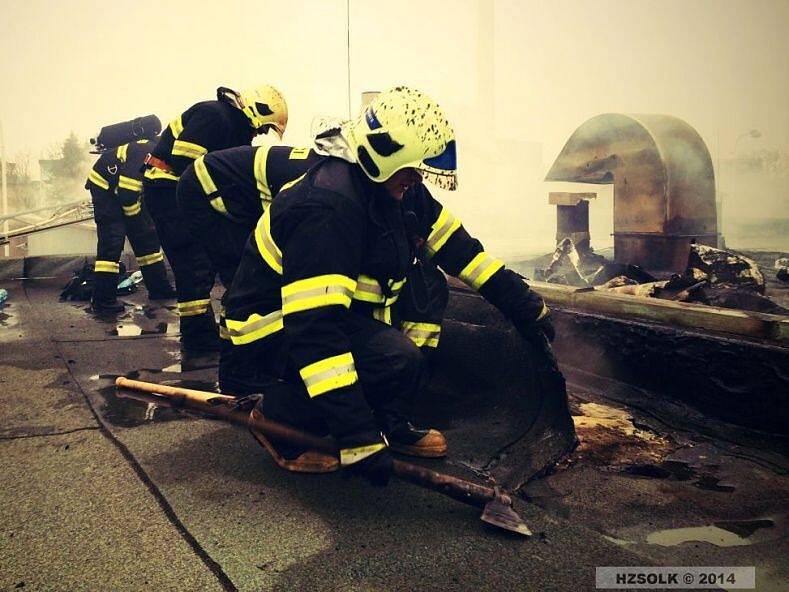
[620,542]
[671,470]
[134,330]
[745,528]
[128,413]
[153,311]
[730,533]
[7,320]
[126,331]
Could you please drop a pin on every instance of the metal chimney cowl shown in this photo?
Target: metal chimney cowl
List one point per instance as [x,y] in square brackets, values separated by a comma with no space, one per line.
[664,184]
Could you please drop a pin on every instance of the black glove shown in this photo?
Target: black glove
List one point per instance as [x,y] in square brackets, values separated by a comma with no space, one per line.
[376,468]
[538,321]
[545,325]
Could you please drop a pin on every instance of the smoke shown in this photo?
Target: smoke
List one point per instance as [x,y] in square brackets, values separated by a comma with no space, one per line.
[516,77]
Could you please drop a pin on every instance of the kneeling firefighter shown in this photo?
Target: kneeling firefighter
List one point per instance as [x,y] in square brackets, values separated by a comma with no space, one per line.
[311,312]
[115,185]
[231,120]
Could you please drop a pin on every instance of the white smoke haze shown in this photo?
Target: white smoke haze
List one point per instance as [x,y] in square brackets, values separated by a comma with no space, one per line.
[516,77]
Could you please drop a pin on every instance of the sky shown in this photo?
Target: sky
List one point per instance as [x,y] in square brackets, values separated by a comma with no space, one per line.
[516,77]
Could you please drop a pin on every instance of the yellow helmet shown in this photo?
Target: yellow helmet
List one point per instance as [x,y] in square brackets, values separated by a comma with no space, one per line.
[265,107]
[402,127]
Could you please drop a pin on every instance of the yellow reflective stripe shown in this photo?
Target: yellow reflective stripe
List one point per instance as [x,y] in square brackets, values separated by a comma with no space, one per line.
[254,328]
[188,149]
[219,205]
[120,153]
[383,314]
[206,182]
[441,230]
[265,243]
[299,154]
[150,259]
[329,374]
[193,307]
[209,187]
[106,266]
[97,179]
[130,184]
[133,209]
[422,334]
[290,184]
[316,292]
[395,287]
[348,456]
[176,127]
[479,270]
[369,290]
[544,312]
[153,173]
[261,177]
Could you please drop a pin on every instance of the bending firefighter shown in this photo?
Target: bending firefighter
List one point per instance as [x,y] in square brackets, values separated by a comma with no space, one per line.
[224,193]
[313,311]
[115,185]
[231,120]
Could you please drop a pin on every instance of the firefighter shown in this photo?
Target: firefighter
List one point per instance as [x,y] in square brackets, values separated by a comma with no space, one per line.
[231,120]
[115,185]
[223,194]
[310,310]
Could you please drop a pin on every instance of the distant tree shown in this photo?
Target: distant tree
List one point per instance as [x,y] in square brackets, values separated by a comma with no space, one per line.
[23,192]
[73,156]
[65,171]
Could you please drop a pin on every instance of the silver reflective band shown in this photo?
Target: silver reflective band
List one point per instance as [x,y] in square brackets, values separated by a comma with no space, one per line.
[332,372]
[315,292]
[256,325]
[675,578]
[443,228]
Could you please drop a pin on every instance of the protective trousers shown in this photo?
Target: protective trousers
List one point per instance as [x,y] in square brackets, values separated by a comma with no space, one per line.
[114,222]
[222,238]
[389,366]
[194,274]
[419,311]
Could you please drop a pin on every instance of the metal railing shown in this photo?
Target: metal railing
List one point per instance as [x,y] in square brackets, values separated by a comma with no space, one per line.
[61,215]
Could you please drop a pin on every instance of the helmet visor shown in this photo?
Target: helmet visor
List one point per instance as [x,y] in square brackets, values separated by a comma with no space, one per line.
[441,170]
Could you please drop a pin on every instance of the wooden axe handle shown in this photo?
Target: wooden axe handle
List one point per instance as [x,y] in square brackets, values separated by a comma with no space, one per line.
[225,406]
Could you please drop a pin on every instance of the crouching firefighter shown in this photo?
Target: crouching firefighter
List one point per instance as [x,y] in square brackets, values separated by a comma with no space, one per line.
[115,185]
[312,312]
[231,120]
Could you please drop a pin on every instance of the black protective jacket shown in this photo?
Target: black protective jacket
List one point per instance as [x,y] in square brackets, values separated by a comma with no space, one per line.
[118,171]
[203,128]
[241,182]
[336,244]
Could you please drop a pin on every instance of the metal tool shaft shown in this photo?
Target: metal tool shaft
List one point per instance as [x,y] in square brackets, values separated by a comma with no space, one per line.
[226,407]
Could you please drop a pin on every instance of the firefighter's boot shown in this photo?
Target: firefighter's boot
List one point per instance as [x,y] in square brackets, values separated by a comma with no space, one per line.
[155,276]
[199,333]
[104,299]
[425,443]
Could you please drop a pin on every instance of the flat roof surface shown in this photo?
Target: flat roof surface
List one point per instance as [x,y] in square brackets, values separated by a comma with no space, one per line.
[100,493]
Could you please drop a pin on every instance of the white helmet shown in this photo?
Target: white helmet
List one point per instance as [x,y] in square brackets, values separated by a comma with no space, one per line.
[402,127]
